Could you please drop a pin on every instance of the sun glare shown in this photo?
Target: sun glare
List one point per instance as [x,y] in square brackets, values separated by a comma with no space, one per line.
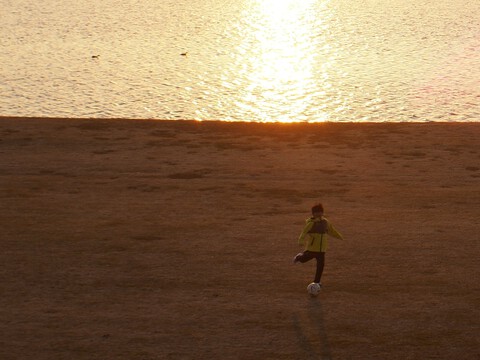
[282,58]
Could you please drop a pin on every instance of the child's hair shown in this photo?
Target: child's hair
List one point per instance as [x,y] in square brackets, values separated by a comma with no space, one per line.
[317,209]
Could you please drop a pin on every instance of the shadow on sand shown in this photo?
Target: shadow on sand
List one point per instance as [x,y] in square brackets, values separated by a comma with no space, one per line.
[311,333]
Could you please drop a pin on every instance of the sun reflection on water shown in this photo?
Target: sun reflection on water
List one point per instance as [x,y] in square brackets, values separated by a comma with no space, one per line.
[282,47]
[248,60]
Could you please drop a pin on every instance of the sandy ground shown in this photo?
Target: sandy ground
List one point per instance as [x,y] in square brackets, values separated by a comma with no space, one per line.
[173,240]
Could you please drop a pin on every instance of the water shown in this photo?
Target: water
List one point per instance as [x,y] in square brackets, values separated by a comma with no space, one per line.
[247,60]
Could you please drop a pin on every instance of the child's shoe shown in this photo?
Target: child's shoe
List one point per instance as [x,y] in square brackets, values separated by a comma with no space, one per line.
[295,259]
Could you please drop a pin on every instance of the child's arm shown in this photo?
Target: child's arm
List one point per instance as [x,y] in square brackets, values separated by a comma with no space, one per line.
[306,229]
[333,232]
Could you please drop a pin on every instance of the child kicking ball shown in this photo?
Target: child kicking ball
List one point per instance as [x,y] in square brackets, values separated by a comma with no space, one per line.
[315,239]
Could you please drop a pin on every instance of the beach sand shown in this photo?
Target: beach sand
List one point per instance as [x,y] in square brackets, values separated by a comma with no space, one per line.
[131,239]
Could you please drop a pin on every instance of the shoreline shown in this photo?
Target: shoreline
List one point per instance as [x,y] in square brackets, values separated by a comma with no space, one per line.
[165,238]
[60,118]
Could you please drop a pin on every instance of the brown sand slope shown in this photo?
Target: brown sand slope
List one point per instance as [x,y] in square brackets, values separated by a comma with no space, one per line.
[173,240]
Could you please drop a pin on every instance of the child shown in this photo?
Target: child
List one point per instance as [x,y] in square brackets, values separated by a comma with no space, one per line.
[315,233]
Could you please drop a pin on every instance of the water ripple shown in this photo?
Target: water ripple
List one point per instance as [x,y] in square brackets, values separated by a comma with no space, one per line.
[248,60]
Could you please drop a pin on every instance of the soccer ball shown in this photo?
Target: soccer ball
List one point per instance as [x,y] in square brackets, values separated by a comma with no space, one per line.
[313,289]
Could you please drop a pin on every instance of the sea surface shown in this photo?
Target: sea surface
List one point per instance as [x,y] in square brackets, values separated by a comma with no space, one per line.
[242,60]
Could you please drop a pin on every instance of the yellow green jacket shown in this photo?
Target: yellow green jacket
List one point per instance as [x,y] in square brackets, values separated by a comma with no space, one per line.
[314,239]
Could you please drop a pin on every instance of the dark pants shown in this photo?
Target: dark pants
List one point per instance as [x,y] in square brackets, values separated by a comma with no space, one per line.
[319,256]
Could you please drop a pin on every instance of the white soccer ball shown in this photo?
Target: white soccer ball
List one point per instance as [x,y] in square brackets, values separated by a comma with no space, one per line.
[313,289]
